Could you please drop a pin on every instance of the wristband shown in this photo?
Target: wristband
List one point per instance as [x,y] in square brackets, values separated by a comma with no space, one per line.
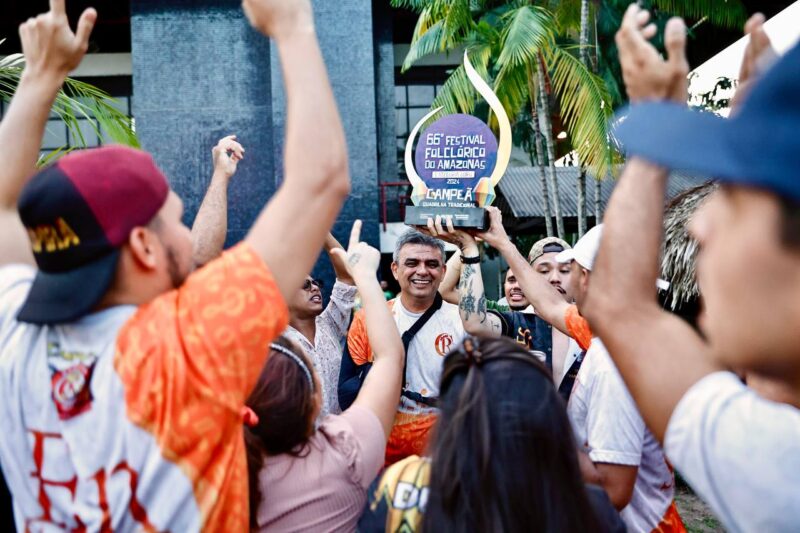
[471,260]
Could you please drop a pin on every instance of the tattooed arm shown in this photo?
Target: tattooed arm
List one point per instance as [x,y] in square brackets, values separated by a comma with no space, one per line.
[472,300]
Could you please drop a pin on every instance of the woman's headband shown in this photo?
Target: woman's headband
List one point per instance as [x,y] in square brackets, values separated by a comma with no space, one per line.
[291,355]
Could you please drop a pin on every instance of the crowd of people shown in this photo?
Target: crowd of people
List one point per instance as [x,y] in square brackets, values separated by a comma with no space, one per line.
[153,381]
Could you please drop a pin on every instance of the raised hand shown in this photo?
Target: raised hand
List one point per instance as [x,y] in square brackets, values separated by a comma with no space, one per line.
[462,239]
[226,156]
[496,235]
[759,55]
[647,75]
[49,45]
[361,259]
[278,18]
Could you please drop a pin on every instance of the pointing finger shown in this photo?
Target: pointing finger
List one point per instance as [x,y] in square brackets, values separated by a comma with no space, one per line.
[57,7]
[355,235]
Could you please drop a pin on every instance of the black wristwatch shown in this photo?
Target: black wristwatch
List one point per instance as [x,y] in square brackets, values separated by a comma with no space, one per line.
[471,260]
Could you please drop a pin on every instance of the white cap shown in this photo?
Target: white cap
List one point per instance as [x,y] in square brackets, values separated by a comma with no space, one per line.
[584,250]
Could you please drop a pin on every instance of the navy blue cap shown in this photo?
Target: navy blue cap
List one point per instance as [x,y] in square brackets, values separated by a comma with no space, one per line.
[759,147]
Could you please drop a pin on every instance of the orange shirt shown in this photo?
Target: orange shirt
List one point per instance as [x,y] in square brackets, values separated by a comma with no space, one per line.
[578,327]
[188,361]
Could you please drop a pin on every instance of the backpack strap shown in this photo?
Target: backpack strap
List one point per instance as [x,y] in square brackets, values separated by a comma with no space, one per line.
[565,388]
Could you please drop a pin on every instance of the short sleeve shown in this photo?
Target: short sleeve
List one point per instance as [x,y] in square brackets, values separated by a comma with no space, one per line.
[492,305]
[739,452]
[357,434]
[614,428]
[578,327]
[506,322]
[357,340]
[205,342]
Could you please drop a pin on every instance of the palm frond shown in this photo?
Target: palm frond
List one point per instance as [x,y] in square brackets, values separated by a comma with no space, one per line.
[527,30]
[458,95]
[76,101]
[725,13]
[585,110]
[438,29]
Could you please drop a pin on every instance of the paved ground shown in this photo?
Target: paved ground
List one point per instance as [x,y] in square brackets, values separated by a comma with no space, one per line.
[696,515]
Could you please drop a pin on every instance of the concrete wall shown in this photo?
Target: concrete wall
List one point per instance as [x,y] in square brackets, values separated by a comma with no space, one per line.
[200,72]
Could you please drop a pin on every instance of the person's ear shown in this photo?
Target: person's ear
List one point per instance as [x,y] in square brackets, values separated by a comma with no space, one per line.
[394,270]
[143,245]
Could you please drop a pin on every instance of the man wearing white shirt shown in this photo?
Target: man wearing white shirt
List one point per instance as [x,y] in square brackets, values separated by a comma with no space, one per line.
[740,452]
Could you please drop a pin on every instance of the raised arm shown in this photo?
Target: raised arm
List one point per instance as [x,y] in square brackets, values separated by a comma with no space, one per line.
[211,223]
[51,51]
[471,295]
[448,288]
[657,353]
[339,264]
[290,231]
[546,300]
[381,390]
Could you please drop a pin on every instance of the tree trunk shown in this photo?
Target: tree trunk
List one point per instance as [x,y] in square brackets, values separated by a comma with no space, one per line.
[547,130]
[598,205]
[540,163]
[584,54]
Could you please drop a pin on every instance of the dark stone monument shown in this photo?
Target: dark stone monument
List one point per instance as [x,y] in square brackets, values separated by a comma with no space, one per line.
[200,72]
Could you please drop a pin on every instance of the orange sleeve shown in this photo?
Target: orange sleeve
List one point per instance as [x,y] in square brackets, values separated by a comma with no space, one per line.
[208,339]
[188,360]
[357,340]
[578,327]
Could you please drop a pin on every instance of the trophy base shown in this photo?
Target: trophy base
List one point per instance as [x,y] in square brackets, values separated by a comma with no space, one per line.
[463,217]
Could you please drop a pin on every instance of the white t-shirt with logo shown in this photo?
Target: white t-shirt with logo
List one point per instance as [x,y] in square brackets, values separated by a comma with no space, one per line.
[740,452]
[441,333]
[608,426]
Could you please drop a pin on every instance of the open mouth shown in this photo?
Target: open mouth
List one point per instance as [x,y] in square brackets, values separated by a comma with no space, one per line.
[421,283]
[516,296]
[317,299]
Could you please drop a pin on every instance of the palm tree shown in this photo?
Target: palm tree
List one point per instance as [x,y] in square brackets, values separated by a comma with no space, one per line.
[514,45]
[76,100]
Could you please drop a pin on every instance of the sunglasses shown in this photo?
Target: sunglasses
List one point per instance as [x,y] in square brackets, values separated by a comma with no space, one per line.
[308,283]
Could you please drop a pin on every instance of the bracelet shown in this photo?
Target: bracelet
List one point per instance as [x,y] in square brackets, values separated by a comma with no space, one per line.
[471,260]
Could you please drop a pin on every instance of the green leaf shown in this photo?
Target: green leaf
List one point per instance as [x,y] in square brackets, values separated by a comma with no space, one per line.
[77,100]
[585,110]
[527,30]
[725,13]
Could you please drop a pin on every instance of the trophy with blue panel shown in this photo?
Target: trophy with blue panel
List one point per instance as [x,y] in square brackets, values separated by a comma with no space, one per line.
[458,163]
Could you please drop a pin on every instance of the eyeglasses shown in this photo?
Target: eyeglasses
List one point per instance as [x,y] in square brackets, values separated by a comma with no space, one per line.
[308,283]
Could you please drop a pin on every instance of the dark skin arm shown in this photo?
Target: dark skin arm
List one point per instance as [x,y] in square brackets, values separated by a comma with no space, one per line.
[659,356]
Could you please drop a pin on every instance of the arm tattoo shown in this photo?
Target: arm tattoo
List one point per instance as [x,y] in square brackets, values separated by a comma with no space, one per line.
[467,271]
[481,309]
[467,302]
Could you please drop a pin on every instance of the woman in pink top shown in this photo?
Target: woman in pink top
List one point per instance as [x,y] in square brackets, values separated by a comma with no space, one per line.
[304,478]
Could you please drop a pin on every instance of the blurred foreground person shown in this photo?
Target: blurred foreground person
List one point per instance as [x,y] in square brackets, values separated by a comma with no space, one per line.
[502,456]
[740,452]
[304,478]
[123,373]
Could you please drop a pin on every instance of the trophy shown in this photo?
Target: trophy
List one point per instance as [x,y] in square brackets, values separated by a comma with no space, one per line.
[458,163]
